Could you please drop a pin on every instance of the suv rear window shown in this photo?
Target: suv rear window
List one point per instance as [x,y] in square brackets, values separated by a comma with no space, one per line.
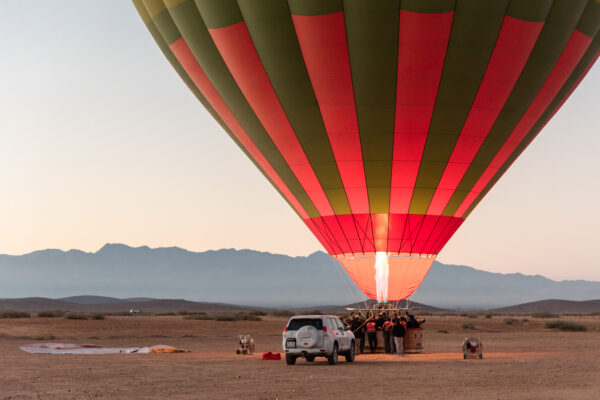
[298,323]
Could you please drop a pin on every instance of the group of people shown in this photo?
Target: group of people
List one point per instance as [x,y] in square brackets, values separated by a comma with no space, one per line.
[393,327]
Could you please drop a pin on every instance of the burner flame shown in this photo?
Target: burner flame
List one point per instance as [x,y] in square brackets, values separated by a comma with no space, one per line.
[382,273]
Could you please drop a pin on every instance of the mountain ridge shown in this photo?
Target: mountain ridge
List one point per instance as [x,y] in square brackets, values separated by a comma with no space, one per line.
[85,303]
[255,277]
[554,306]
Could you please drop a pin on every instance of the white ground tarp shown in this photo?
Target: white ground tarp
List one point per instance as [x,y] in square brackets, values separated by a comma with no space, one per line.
[67,348]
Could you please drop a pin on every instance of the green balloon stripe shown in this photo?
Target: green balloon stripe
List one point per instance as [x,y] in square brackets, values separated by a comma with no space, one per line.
[574,80]
[560,24]
[186,17]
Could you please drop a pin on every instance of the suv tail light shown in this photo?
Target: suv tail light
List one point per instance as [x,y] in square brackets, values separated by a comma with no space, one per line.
[285,329]
[324,329]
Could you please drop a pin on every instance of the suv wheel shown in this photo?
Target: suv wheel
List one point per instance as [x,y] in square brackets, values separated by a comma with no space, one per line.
[290,359]
[351,353]
[333,357]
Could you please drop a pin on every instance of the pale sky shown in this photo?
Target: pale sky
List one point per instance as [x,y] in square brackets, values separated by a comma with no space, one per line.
[100,141]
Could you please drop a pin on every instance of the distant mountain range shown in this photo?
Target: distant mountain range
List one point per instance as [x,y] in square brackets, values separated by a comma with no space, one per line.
[148,305]
[554,306]
[109,304]
[86,299]
[253,278]
[112,304]
[460,287]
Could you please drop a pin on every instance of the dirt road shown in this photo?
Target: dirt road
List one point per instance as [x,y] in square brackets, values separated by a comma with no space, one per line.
[521,361]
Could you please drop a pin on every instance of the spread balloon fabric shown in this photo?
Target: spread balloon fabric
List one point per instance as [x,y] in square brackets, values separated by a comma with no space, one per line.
[382,124]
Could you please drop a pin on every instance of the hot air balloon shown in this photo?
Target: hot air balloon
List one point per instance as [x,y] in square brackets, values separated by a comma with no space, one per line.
[383,124]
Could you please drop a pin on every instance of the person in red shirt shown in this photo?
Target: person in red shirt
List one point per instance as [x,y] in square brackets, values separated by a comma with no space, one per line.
[403,322]
[387,333]
[372,334]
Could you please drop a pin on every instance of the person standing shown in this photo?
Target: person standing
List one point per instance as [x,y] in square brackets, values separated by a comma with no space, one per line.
[387,332]
[363,333]
[372,334]
[392,342]
[412,322]
[398,333]
[359,331]
[379,321]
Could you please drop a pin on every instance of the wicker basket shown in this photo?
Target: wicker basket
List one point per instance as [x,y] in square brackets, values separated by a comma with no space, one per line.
[413,340]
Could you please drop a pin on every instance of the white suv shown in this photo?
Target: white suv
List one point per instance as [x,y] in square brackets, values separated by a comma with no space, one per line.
[311,336]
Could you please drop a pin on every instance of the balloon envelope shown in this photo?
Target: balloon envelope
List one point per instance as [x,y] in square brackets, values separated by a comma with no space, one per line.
[382,123]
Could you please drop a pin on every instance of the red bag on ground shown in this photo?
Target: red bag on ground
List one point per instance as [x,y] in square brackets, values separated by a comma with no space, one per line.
[271,356]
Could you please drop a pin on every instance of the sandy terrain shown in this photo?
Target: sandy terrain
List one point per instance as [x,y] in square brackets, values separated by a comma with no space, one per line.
[522,361]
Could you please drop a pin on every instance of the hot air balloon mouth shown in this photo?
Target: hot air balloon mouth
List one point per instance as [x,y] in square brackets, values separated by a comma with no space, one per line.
[384,276]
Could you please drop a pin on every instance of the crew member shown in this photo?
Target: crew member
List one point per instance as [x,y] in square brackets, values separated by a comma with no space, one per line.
[358,329]
[412,322]
[372,334]
[398,332]
[379,321]
[387,331]
[392,343]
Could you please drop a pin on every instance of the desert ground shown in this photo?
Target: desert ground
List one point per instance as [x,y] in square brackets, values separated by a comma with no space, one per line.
[521,361]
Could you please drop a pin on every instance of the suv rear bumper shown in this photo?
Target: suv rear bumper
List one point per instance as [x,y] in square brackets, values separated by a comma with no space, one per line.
[305,352]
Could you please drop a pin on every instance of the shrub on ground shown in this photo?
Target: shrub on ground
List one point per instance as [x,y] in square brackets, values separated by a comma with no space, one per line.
[488,315]
[467,325]
[258,313]
[242,316]
[50,314]
[98,316]
[14,314]
[75,316]
[200,316]
[544,314]
[510,321]
[225,317]
[282,313]
[565,326]
[442,331]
